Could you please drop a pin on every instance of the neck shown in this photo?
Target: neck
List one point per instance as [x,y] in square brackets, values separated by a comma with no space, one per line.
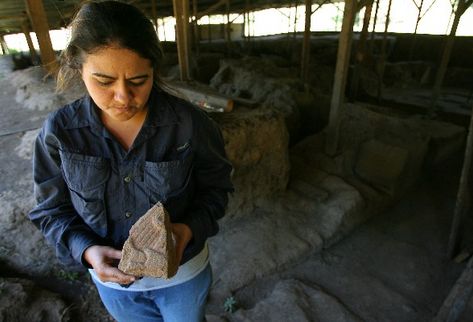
[125,131]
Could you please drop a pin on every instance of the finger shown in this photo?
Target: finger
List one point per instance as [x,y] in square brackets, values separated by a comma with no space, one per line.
[179,250]
[112,274]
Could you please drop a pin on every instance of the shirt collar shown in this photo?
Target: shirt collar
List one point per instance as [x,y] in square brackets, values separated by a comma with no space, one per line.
[161,112]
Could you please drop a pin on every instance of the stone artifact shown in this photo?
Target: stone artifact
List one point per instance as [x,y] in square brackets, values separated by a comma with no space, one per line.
[149,250]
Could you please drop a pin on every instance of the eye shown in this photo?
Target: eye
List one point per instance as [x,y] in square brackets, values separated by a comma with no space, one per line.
[104,83]
[137,83]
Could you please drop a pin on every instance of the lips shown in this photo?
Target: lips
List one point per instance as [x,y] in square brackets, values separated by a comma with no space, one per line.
[123,108]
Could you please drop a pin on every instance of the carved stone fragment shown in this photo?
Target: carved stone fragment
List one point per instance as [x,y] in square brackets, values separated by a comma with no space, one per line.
[149,250]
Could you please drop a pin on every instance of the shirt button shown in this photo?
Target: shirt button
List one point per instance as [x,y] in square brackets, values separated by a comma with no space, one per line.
[128,214]
[127,179]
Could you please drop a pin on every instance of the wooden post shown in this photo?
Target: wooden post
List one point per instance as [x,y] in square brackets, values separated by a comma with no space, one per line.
[462,6]
[295,20]
[26,31]
[39,21]
[154,12]
[164,28]
[463,193]
[181,12]
[381,65]
[3,45]
[247,25]
[373,32]
[360,51]
[339,83]
[458,298]
[414,36]
[306,43]
[228,28]
[195,27]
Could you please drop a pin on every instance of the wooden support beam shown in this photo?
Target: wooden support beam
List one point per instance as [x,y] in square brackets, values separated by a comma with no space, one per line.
[339,83]
[37,15]
[360,52]
[3,45]
[463,195]
[462,6]
[26,31]
[458,297]
[195,27]
[12,17]
[247,21]
[154,12]
[228,28]
[181,13]
[306,44]
[373,31]
[381,65]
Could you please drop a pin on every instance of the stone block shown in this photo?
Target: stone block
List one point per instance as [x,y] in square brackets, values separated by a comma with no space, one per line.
[381,164]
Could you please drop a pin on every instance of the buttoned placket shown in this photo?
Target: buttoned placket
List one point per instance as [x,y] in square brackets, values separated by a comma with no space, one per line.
[127,172]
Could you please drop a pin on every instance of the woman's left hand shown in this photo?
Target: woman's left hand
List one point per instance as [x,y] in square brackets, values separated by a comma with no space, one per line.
[182,234]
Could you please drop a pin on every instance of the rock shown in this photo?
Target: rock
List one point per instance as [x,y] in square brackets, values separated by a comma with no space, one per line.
[286,228]
[292,300]
[381,165]
[265,81]
[25,149]
[21,300]
[256,143]
[149,250]
[36,91]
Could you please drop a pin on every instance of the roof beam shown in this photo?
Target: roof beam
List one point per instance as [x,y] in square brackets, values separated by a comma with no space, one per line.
[13,17]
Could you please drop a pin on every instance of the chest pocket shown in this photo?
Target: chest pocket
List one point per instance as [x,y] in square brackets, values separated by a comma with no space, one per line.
[86,177]
[169,178]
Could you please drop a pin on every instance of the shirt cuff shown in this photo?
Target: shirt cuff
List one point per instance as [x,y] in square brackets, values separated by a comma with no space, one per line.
[79,242]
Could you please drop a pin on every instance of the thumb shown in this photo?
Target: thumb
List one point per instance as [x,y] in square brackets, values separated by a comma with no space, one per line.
[113,253]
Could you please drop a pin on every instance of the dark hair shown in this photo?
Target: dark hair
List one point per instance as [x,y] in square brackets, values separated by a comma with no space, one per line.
[98,25]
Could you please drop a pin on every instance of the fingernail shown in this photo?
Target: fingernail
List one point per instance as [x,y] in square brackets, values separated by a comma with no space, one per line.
[126,285]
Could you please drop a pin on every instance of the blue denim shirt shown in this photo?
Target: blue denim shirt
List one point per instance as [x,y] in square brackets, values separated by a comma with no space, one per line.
[90,190]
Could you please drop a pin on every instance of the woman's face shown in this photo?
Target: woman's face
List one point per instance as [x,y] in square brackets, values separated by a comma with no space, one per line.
[119,81]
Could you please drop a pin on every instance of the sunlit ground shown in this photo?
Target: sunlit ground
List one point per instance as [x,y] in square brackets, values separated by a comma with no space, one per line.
[437,19]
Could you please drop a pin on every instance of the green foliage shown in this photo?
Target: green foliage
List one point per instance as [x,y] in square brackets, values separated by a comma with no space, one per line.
[67,276]
[12,51]
[230,304]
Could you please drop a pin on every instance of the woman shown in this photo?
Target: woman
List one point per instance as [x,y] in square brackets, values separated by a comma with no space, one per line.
[102,161]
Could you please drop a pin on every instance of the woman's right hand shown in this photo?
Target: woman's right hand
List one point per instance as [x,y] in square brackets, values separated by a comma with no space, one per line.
[102,259]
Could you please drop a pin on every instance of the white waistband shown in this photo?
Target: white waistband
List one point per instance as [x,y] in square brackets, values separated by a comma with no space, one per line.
[185,272]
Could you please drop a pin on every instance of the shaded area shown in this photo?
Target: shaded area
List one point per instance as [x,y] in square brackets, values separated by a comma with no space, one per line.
[392,268]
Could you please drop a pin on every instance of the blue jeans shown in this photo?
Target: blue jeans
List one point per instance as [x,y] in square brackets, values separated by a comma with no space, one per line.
[181,303]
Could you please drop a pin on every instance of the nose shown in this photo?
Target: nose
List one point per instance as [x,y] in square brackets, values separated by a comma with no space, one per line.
[123,94]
